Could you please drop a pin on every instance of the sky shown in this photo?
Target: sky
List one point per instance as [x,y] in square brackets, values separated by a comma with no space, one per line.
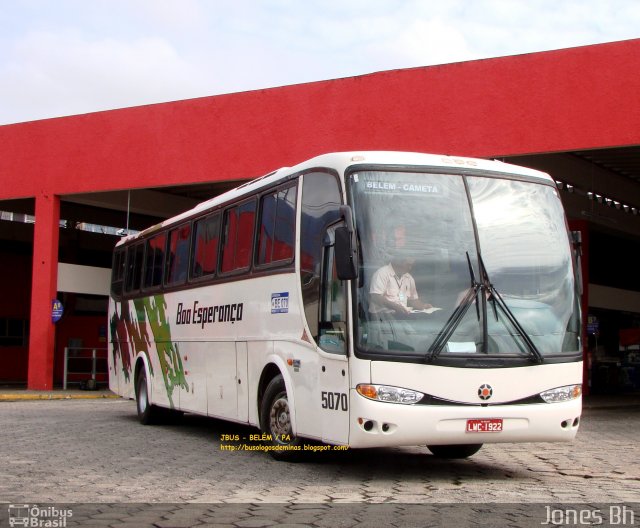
[64,57]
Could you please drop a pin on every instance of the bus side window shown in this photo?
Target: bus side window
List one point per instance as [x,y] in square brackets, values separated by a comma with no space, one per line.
[178,255]
[117,273]
[277,227]
[333,308]
[156,248]
[238,227]
[205,246]
[135,258]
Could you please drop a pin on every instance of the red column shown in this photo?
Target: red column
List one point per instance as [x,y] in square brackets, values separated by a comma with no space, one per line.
[43,291]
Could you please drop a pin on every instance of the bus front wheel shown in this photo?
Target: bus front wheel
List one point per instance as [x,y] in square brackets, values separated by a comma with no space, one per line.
[454,451]
[275,421]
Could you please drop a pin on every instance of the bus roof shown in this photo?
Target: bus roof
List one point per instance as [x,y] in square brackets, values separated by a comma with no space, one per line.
[340,161]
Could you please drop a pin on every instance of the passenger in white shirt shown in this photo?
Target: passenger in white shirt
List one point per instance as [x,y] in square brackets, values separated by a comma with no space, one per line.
[393,289]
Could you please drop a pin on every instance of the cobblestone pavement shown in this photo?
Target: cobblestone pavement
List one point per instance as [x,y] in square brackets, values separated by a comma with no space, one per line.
[94,451]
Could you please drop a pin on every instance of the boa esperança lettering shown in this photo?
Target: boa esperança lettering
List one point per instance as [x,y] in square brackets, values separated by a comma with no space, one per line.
[202,315]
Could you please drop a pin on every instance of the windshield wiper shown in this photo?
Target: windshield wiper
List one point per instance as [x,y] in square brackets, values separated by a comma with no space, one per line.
[497,301]
[456,317]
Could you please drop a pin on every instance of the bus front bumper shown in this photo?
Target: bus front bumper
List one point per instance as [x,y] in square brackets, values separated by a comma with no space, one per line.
[381,424]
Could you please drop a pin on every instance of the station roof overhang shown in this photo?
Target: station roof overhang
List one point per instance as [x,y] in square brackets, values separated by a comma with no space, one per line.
[588,180]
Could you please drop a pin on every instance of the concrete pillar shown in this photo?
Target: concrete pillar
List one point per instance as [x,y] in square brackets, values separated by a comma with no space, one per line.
[43,291]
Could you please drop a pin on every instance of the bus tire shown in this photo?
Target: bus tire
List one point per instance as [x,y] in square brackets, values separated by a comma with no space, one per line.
[454,451]
[148,414]
[275,421]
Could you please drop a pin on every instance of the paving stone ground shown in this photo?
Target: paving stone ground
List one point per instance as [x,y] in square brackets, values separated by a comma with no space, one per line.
[94,452]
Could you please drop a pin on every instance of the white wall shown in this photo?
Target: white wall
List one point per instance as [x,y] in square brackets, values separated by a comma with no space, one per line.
[614,298]
[83,279]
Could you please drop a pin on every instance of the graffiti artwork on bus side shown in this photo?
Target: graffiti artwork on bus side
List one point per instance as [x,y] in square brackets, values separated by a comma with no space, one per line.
[130,335]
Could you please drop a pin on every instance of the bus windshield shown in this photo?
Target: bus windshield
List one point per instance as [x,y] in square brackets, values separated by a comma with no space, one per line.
[462,267]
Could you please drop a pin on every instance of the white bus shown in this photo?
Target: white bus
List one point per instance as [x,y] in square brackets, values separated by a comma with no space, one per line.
[262,306]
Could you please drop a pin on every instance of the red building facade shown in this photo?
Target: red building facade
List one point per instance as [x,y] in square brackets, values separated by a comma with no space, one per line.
[528,108]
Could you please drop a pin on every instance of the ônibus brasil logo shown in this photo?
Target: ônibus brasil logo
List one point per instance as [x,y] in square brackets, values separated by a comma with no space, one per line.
[38,516]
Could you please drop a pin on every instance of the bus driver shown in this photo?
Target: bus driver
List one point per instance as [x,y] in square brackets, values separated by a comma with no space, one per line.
[393,289]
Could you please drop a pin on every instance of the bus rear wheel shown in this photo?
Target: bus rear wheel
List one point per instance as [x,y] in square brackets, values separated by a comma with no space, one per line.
[454,451]
[275,421]
[148,414]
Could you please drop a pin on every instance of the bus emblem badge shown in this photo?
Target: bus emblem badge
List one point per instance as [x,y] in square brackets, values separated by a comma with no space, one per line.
[485,391]
[280,302]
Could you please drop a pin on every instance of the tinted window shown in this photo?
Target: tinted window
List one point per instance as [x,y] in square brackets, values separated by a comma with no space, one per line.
[178,255]
[117,273]
[205,246]
[333,307]
[118,265]
[238,237]
[276,237]
[156,247]
[135,256]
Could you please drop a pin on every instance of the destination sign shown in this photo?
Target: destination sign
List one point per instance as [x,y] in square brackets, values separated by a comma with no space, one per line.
[395,187]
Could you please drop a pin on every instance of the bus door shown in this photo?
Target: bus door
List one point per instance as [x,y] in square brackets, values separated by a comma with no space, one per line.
[333,372]
[227,385]
[194,396]
[222,391]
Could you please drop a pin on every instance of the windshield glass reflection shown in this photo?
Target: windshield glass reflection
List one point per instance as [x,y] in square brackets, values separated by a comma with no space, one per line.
[419,266]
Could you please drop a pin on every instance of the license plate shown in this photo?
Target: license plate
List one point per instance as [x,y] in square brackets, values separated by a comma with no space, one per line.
[487,425]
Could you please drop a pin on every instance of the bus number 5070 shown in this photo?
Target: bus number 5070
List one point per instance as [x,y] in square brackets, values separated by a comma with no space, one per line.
[334,400]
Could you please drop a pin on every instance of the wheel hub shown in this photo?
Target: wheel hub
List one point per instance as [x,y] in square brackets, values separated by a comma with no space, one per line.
[279,417]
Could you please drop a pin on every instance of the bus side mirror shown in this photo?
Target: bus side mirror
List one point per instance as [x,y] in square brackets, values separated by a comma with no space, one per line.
[345,254]
[346,258]
[576,242]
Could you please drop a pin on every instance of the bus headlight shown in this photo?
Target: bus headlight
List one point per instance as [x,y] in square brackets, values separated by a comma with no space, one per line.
[389,394]
[561,394]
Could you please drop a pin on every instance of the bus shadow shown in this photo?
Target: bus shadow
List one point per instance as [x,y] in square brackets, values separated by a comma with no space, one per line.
[410,463]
